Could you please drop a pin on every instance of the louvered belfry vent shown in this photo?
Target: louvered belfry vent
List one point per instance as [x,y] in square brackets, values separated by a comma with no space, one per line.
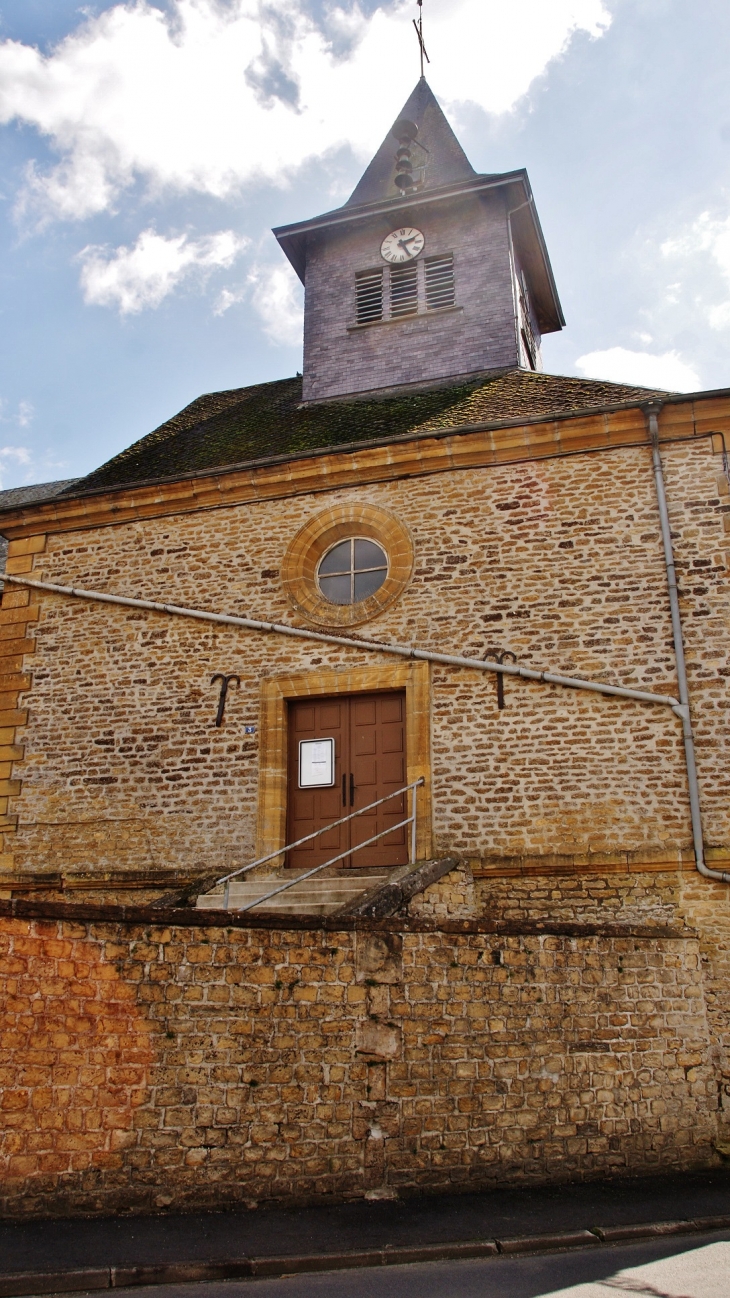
[439,282]
[394,292]
[369,296]
[404,290]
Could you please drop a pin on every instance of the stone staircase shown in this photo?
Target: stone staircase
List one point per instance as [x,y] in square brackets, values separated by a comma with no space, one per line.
[324,894]
[373,893]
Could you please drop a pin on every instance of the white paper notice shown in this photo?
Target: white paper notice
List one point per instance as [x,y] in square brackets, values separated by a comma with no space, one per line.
[316,763]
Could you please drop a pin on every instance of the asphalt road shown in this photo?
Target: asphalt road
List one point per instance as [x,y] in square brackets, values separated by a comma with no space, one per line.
[697,1266]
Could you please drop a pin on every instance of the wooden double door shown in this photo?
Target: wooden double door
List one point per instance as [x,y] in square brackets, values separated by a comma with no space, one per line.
[369,733]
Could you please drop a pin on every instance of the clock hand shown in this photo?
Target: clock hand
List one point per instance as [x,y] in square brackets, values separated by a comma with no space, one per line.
[402,242]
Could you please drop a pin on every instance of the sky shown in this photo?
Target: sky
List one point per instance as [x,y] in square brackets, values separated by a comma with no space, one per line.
[148,147]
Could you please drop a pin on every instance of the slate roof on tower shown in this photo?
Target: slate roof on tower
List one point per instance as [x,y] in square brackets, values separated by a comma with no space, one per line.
[244,425]
[270,421]
[447,174]
[446,162]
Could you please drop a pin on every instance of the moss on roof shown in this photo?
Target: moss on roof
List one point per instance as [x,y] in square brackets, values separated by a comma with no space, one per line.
[247,424]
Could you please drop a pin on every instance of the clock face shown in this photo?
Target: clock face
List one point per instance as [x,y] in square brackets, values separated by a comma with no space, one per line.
[402,245]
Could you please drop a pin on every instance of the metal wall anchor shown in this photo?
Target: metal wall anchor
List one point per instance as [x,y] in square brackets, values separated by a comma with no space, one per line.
[225,682]
[499,655]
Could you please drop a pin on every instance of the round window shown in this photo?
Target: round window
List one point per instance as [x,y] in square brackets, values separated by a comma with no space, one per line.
[352,571]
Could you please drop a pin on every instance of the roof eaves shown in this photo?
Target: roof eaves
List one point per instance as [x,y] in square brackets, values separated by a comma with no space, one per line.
[529,204]
[290,237]
[345,448]
[674,397]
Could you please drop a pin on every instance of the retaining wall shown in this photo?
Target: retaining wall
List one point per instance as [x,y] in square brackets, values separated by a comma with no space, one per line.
[152,1058]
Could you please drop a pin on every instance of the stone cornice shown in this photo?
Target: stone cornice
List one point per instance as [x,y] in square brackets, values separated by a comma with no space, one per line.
[408,455]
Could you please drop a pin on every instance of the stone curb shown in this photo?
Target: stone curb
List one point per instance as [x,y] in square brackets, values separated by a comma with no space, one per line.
[614,1234]
[566,1239]
[123,1277]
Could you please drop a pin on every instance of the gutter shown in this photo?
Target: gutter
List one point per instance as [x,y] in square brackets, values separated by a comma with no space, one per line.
[680,707]
[652,415]
[351,642]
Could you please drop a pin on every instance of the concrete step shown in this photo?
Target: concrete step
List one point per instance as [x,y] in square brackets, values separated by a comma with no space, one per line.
[373,894]
[320,895]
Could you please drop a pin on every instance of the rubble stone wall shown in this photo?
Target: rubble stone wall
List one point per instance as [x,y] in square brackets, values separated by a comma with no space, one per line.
[556,893]
[148,1063]
[114,765]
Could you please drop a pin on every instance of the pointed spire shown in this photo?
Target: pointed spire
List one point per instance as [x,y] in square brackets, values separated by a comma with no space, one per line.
[446,162]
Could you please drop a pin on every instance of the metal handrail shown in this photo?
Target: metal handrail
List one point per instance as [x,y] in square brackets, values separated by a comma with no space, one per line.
[262,860]
[290,883]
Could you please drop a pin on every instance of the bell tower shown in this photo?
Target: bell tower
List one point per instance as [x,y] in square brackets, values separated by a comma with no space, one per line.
[428,275]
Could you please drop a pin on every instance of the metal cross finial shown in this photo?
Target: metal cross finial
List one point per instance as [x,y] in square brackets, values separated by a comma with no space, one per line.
[419,33]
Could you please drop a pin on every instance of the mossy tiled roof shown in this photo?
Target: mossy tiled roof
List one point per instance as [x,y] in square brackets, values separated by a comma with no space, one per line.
[247,424]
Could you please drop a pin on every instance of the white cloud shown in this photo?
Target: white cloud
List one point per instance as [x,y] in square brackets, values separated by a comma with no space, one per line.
[619,365]
[707,240]
[20,454]
[22,418]
[277,297]
[210,96]
[134,278]
[25,414]
[8,454]
[228,297]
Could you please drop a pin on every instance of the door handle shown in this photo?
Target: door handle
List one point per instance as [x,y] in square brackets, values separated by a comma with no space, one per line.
[352,789]
[344,790]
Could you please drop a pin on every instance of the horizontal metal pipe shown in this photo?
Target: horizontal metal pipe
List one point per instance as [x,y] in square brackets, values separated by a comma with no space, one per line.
[376,646]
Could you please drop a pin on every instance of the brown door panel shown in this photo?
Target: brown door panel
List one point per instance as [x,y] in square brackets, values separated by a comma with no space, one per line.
[370,754]
[304,719]
[311,809]
[393,714]
[393,769]
[364,710]
[377,774]
[330,714]
[365,770]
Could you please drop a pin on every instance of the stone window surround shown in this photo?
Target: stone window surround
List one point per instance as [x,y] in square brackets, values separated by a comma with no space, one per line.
[275,693]
[318,535]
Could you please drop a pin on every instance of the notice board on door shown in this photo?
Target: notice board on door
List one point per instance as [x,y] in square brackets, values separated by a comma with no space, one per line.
[316,763]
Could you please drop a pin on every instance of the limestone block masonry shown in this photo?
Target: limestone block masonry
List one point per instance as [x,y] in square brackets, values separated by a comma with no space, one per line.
[147,1061]
[124,778]
[555,1007]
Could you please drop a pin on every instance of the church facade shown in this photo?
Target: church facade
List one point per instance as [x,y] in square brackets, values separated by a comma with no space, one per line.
[423,575]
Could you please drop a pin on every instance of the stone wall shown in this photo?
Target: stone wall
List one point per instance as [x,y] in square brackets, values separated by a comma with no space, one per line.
[119,772]
[553,892]
[147,1061]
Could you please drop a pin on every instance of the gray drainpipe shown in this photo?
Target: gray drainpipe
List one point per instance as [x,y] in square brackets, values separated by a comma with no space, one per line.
[652,413]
